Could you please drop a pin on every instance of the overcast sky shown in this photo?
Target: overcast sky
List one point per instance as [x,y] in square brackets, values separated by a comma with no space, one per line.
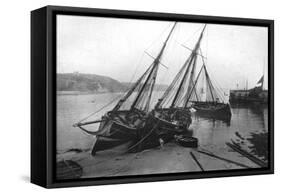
[116,48]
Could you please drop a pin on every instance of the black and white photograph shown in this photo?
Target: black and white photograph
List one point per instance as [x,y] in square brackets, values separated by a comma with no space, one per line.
[144,97]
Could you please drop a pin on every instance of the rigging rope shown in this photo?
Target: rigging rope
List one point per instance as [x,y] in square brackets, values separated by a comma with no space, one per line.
[83,119]
[217,86]
[195,32]
[100,109]
[146,136]
[154,41]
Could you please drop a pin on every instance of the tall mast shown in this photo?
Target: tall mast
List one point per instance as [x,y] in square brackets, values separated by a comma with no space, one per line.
[195,83]
[155,67]
[192,60]
[119,104]
[191,81]
[182,81]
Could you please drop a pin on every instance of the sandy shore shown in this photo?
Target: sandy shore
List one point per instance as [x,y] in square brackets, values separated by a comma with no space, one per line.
[169,159]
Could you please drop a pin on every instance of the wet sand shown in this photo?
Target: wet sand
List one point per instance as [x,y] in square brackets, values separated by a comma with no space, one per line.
[171,158]
[73,144]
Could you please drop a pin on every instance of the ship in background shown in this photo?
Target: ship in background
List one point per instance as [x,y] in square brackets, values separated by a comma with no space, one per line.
[258,94]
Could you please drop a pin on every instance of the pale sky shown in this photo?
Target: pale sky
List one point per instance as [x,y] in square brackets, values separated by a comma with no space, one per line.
[115,48]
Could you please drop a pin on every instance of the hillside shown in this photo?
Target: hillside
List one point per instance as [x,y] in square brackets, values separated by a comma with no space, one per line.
[80,82]
[88,83]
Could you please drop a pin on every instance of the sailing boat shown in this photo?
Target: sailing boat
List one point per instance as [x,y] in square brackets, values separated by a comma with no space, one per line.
[127,119]
[172,111]
[213,105]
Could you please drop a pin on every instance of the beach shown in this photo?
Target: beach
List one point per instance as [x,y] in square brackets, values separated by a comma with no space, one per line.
[172,158]
[75,145]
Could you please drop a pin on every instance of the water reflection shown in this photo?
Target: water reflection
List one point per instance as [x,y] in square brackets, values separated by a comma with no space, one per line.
[212,118]
[210,131]
[246,119]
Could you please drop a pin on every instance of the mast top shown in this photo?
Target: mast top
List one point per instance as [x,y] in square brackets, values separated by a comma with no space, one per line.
[151,77]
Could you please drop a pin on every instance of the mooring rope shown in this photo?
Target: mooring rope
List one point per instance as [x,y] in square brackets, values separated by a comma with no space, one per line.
[100,109]
[140,141]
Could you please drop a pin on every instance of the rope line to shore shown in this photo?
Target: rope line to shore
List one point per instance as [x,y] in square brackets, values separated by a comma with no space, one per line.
[106,105]
[144,137]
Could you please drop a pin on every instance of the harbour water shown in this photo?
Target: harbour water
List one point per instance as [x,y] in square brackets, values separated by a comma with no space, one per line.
[73,145]
[210,132]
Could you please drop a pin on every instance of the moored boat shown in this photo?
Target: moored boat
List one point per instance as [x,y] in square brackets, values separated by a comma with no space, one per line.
[213,109]
[206,97]
[127,121]
[172,109]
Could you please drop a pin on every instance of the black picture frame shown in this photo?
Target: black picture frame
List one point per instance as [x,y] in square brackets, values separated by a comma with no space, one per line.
[43,95]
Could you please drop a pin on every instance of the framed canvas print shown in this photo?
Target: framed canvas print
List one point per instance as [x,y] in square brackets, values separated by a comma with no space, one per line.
[125,96]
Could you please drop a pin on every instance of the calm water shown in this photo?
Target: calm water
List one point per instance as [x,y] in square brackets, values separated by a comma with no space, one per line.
[72,108]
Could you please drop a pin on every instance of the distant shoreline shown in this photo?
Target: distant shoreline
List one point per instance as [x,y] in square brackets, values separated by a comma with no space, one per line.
[62,93]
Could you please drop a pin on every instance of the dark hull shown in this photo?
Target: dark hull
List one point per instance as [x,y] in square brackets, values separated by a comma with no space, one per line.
[146,135]
[117,130]
[157,129]
[114,131]
[249,100]
[253,96]
[169,125]
[119,135]
[165,126]
[248,105]
[154,131]
[107,143]
[213,110]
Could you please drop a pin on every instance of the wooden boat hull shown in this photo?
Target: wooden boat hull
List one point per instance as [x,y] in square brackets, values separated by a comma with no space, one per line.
[162,130]
[214,110]
[114,131]
[248,100]
[117,130]
[107,143]
[171,126]
[157,129]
